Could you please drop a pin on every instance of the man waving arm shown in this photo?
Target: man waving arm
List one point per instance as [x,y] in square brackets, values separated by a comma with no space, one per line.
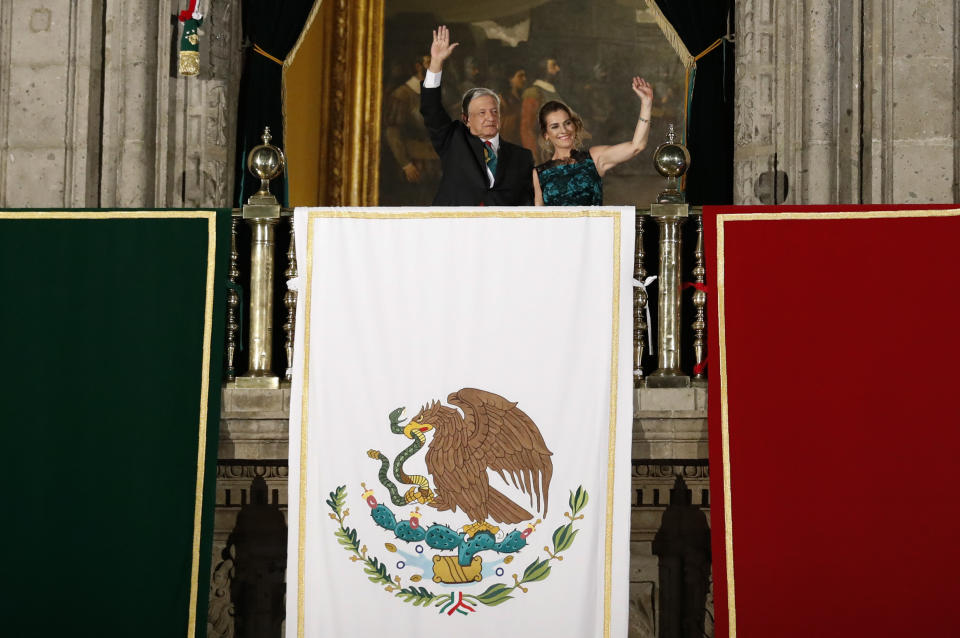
[435,117]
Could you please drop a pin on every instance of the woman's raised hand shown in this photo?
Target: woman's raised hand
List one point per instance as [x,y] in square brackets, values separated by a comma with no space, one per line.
[643,90]
[441,48]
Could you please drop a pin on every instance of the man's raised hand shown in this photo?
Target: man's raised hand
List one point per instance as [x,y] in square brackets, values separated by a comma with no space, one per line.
[441,48]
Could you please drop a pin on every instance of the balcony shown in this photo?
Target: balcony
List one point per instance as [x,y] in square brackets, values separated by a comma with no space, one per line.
[669,426]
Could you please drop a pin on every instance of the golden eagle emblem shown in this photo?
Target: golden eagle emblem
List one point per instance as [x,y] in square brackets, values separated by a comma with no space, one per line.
[492,433]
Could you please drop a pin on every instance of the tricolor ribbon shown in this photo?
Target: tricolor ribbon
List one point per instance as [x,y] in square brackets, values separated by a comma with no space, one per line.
[185,15]
[194,11]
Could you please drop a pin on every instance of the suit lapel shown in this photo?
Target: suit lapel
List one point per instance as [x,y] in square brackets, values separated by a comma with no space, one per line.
[501,161]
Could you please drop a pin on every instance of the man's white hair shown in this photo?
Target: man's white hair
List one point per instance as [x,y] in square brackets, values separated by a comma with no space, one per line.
[473,94]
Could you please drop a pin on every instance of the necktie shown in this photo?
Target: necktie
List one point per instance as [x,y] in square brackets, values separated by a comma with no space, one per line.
[490,157]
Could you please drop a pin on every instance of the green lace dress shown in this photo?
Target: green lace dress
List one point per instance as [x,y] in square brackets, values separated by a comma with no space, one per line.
[576,183]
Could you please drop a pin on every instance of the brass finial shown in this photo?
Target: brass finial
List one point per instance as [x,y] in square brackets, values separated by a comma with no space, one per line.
[671,159]
[265,161]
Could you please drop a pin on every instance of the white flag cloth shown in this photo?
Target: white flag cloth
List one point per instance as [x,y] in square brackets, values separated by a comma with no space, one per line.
[497,502]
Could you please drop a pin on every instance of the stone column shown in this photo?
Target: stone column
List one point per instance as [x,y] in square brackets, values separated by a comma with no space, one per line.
[854,102]
[815,178]
[130,100]
[956,101]
[49,103]
[830,145]
[755,116]
[168,140]
[197,116]
[911,127]
[92,113]
[797,102]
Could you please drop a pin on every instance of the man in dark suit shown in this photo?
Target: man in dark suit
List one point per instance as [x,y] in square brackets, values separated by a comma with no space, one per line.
[479,168]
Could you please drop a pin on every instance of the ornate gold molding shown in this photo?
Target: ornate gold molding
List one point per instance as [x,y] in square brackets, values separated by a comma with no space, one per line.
[362,148]
[346,71]
[338,83]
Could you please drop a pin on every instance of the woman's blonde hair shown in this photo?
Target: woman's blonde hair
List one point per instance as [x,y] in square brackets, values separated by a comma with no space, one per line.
[552,107]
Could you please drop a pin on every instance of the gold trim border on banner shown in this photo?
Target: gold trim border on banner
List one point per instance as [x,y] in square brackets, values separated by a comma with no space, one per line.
[722,219]
[211,217]
[302,518]
[612,436]
[615,216]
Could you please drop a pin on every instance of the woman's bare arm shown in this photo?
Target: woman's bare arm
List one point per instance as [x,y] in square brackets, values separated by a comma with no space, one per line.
[606,157]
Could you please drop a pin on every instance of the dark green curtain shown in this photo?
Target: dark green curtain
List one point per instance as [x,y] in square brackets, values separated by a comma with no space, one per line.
[710,129]
[273,27]
[104,331]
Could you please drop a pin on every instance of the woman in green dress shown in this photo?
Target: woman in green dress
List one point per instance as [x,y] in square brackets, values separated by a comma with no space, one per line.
[573,177]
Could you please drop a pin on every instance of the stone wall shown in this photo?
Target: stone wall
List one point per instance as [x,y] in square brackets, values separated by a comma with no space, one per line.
[93,113]
[246,587]
[854,102]
[49,96]
[669,441]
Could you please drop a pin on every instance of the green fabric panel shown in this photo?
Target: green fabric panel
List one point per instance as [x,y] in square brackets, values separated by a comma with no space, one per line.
[102,324]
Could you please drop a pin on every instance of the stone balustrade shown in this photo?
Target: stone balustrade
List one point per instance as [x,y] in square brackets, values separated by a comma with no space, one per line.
[675,319]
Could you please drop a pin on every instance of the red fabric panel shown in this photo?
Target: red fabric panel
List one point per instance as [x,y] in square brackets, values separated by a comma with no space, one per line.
[841,344]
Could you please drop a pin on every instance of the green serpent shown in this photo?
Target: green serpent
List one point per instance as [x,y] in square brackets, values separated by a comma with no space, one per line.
[421,491]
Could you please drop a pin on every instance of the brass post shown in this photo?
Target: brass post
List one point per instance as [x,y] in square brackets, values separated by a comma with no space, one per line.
[260,346]
[262,212]
[233,302]
[290,302]
[699,303]
[670,218]
[671,159]
[639,305]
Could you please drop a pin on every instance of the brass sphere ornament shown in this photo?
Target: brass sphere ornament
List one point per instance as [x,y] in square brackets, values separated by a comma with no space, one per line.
[671,159]
[265,161]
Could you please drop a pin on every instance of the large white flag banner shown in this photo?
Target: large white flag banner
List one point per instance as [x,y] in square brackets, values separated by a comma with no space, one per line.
[460,423]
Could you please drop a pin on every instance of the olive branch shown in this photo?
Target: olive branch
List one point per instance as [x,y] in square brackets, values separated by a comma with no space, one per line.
[494,595]
[539,569]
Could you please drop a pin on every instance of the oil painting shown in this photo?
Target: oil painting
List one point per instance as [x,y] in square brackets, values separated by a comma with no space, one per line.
[528,51]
